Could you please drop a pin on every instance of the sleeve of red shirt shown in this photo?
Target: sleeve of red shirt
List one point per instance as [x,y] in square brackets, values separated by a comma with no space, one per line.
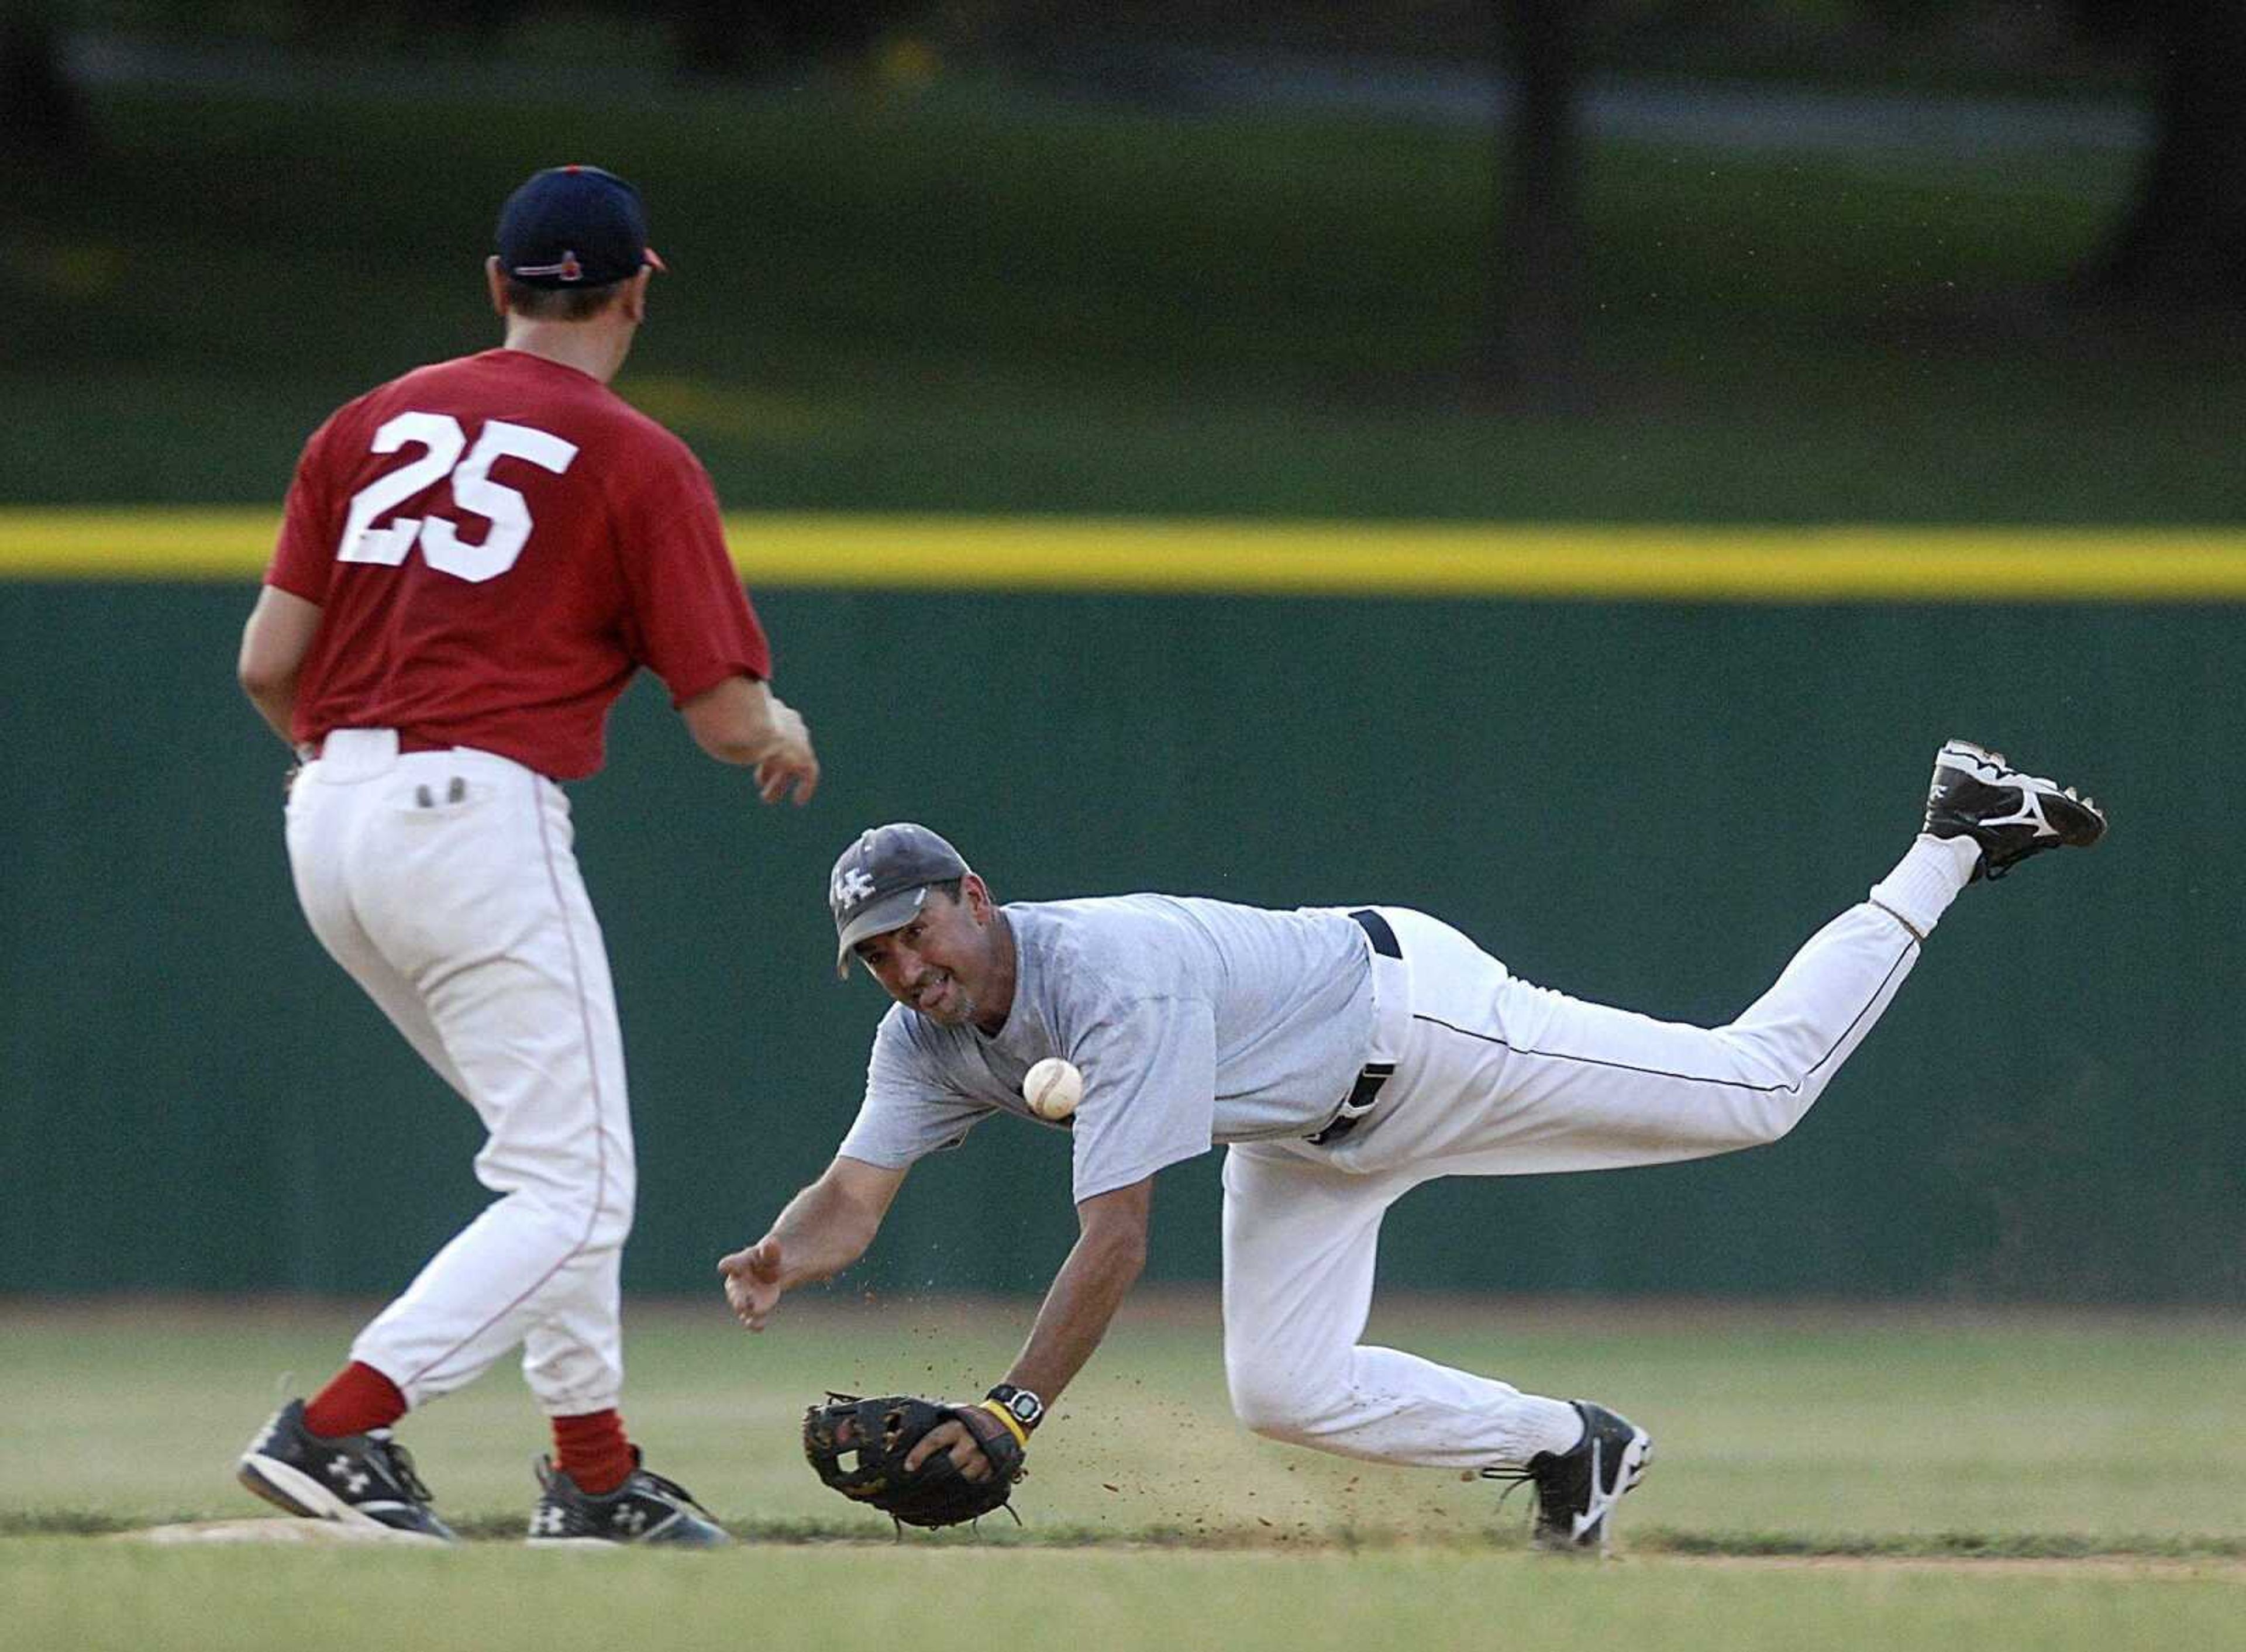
[693,626]
[305,555]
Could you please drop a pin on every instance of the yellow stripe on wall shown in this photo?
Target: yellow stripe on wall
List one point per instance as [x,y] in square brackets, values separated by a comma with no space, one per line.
[1697,564]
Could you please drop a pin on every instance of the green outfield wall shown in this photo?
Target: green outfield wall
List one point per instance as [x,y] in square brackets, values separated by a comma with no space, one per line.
[1640,786]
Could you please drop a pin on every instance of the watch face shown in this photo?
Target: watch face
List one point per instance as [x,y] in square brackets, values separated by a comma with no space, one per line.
[1026,1406]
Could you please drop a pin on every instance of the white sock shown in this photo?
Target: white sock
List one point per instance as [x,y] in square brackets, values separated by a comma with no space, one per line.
[1929,877]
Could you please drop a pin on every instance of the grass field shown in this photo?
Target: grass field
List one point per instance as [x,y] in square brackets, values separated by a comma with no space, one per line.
[1824,1478]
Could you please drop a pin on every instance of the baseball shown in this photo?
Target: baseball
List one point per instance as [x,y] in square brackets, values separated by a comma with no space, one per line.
[1052,1088]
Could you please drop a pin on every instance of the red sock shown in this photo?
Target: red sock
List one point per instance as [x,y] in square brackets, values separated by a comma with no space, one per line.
[592,1450]
[357,1398]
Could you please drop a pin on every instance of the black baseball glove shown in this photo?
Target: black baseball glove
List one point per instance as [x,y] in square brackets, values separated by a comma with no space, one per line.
[859,1447]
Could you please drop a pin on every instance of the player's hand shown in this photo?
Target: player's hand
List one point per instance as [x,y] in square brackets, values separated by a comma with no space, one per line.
[790,762]
[753,1281]
[958,1439]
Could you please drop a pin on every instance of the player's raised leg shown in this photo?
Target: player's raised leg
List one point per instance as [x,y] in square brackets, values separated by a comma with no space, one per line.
[1504,1078]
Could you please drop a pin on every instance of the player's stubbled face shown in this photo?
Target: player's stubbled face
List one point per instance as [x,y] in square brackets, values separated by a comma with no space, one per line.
[942,964]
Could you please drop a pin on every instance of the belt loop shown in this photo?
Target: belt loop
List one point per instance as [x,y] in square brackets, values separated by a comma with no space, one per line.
[349,755]
[1384,938]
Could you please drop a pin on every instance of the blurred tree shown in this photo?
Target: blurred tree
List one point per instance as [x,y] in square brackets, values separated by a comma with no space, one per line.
[1534,350]
[2181,243]
[42,113]
[2183,237]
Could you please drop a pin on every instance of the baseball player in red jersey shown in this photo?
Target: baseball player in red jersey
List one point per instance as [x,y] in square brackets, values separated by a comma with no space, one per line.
[475,560]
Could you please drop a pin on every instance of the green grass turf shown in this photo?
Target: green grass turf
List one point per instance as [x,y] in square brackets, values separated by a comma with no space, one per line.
[973,302]
[1885,1444]
[88,1596]
[1776,1432]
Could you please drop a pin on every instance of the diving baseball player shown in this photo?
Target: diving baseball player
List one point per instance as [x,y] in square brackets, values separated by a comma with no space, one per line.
[476,558]
[1343,1058]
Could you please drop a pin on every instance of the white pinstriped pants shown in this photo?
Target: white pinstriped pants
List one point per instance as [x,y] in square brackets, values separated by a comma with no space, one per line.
[1494,1078]
[444,882]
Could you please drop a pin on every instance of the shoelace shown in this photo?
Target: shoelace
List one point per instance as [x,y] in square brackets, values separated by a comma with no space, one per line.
[1513,1479]
[399,1462]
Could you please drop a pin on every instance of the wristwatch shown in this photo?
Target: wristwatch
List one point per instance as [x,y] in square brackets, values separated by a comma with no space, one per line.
[1023,1406]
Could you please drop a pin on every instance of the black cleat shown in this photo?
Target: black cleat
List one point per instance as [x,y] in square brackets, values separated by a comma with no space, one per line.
[361,1479]
[1576,1490]
[2010,814]
[646,1508]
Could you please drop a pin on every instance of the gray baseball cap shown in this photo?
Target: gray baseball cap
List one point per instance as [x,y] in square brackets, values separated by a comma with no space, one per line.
[881,881]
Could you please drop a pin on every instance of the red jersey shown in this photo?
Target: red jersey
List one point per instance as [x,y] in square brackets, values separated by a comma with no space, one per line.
[496,544]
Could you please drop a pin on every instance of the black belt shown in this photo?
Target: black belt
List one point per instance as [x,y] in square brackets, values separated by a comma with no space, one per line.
[1366,1091]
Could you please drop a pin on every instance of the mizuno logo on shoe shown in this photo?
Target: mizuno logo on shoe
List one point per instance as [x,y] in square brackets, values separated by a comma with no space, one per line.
[2031,810]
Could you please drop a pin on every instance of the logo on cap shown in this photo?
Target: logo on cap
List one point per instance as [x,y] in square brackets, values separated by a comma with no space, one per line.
[567,270]
[882,880]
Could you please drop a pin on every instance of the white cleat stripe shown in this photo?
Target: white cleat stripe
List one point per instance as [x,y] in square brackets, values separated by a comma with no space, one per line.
[310,1499]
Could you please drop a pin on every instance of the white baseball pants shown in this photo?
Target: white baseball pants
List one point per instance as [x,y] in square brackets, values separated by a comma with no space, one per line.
[1495,1077]
[444,882]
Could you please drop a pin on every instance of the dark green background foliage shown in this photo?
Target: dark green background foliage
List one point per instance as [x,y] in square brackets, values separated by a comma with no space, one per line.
[1646,805]
[977,298]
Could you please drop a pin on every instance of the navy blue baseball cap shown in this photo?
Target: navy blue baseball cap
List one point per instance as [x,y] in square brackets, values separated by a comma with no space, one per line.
[880,882]
[574,227]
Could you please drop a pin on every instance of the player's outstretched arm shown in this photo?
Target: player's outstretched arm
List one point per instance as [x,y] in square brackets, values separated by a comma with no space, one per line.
[1102,1266]
[742,722]
[1110,1249]
[824,1229]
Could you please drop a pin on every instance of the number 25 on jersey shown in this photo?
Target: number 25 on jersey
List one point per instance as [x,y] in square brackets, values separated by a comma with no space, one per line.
[441,438]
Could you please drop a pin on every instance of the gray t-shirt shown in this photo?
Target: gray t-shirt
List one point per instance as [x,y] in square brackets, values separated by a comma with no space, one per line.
[1194,1021]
